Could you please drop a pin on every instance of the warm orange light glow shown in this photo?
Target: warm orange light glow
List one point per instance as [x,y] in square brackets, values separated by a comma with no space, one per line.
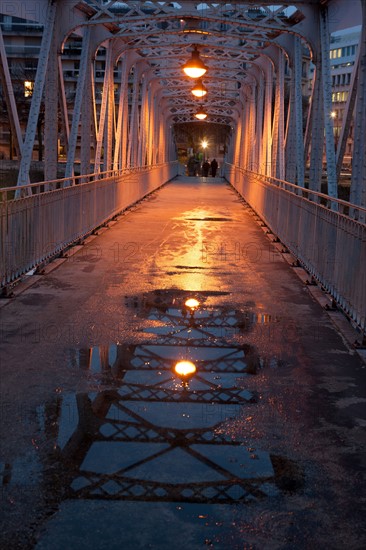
[194,72]
[194,67]
[192,303]
[201,115]
[195,31]
[185,368]
[199,90]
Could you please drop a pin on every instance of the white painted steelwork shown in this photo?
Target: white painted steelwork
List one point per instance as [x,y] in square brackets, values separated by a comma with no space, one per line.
[27,147]
[326,240]
[248,49]
[39,226]
[255,53]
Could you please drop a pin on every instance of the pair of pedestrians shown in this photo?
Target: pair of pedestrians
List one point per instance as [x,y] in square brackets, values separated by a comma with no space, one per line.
[206,168]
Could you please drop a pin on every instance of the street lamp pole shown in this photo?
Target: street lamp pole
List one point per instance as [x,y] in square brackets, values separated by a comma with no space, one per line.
[204,147]
[333,115]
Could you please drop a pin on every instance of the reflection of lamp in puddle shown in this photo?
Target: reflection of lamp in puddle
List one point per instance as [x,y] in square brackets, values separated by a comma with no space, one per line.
[185,370]
[191,304]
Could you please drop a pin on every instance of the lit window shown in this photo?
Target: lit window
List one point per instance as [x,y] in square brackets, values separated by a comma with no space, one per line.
[28,88]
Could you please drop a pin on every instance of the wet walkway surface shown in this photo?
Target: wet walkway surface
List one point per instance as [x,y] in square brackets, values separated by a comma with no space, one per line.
[105,445]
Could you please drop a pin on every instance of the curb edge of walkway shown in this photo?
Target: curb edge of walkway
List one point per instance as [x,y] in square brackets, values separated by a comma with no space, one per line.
[344,326]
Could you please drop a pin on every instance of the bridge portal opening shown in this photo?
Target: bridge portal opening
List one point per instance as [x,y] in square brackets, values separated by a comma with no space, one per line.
[201,140]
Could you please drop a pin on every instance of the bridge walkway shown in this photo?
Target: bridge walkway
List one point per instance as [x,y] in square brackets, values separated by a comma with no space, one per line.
[274,375]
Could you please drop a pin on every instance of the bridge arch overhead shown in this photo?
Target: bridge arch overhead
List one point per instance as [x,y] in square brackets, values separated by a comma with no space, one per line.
[128,99]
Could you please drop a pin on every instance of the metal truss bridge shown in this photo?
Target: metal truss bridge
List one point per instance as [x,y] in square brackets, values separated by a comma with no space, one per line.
[124,142]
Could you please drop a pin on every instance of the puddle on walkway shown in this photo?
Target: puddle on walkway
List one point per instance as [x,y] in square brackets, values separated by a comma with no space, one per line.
[210,219]
[155,433]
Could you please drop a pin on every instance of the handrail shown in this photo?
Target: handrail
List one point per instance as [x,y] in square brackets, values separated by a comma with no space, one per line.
[39,226]
[297,189]
[92,177]
[328,243]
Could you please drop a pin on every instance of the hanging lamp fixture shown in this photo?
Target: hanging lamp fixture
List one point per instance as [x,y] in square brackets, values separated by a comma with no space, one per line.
[199,90]
[194,67]
[201,114]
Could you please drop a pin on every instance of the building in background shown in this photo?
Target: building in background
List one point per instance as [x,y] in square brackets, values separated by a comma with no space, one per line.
[343,52]
[22,41]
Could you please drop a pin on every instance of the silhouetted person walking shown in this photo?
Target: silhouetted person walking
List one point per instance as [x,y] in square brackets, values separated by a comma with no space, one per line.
[205,168]
[214,167]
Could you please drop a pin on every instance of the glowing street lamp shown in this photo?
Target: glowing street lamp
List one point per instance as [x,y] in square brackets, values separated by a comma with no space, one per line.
[199,89]
[201,114]
[194,67]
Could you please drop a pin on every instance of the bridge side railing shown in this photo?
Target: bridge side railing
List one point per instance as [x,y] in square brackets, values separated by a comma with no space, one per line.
[43,222]
[325,235]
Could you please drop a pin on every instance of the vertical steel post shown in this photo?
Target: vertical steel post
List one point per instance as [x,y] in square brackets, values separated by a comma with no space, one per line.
[84,61]
[63,103]
[162,141]
[267,126]
[30,133]
[94,103]
[86,123]
[9,98]
[141,152]
[152,116]
[149,143]
[103,110]
[300,168]
[327,103]
[317,133]
[278,121]
[290,137]
[252,128]
[156,129]
[259,122]
[108,134]
[133,136]
[125,125]
[358,183]
[51,112]
[238,140]
[246,132]
[117,161]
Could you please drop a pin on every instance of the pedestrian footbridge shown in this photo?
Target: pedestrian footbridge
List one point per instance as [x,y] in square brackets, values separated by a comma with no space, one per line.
[117,114]
[324,234]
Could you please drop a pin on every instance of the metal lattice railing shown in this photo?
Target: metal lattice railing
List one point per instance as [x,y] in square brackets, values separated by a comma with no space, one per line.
[328,236]
[40,225]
